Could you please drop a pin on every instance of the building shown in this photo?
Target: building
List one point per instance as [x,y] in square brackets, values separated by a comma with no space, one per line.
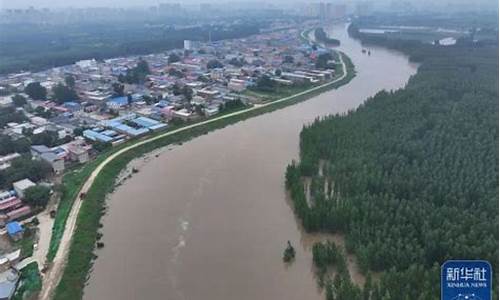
[7,159]
[15,230]
[236,85]
[45,153]
[38,150]
[183,114]
[17,213]
[9,260]
[79,154]
[104,136]
[117,103]
[22,185]
[55,161]
[211,110]
[8,283]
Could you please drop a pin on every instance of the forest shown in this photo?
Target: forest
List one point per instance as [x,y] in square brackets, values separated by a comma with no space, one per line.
[410,177]
[34,48]
[321,36]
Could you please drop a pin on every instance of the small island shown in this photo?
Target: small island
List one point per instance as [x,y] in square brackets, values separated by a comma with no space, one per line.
[289,253]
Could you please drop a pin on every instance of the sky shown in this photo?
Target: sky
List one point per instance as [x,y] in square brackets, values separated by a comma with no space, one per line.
[129,3]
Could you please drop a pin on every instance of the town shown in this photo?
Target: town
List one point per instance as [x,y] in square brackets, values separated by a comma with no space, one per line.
[55,121]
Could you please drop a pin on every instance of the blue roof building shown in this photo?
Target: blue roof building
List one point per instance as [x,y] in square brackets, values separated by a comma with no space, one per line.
[72,106]
[14,229]
[97,136]
[117,102]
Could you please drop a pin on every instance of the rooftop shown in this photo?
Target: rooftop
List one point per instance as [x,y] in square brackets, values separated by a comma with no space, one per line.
[14,228]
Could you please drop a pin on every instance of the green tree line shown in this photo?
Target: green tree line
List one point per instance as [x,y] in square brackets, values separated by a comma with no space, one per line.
[411,176]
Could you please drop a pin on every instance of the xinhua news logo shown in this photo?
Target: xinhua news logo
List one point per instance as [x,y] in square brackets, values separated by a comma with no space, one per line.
[466,280]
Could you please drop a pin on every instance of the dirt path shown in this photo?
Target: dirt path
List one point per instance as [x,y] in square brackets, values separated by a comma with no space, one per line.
[53,276]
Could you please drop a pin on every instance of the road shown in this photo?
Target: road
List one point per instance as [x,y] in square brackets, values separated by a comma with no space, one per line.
[53,276]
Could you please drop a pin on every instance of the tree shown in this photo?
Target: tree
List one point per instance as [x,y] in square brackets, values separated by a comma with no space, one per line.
[70,81]
[137,74]
[47,138]
[19,100]
[37,196]
[41,111]
[102,146]
[118,89]
[176,73]
[214,64]
[237,62]
[36,91]
[265,83]
[78,131]
[188,93]
[173,57]
[322,60]
[289,253]
[62,93]
[24,167]
[403,154]
[321,36]
[176,89]
[288,59]
[9,145]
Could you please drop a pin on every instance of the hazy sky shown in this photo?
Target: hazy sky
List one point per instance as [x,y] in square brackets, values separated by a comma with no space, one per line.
[81,3]
[128,3]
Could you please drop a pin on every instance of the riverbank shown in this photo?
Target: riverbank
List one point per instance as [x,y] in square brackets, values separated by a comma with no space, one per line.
[96,187]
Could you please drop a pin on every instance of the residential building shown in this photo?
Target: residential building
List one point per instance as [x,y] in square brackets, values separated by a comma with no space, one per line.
[15,230]
[21,186]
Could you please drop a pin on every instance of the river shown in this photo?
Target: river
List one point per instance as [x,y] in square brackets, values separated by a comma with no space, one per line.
[210,219]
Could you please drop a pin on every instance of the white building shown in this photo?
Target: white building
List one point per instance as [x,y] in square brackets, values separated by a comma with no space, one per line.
[236,85]
[21,186]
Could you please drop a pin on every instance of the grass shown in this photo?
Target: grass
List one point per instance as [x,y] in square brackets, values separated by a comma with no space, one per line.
[81,253]
[72,183]
[30,282]
[26,243]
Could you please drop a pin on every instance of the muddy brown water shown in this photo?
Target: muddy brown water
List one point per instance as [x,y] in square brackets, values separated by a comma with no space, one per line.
[210,219]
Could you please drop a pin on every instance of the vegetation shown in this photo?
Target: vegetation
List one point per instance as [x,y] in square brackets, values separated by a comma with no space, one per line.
[10,114]
[30,282]
[36,91]
[9,145]
[237,62]
[231,105]
[28,47]
[265,84]
[289,253]
[321,36]
[27,242]
[70,81]
[37,196]
[24,167]
[411,176]
[135,75]
[323,61]
[19,100]
[214,64]
[172,58]
[63,93]
[85,237]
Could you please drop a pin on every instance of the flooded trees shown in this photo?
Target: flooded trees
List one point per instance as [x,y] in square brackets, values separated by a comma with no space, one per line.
[414,172]
[289,253]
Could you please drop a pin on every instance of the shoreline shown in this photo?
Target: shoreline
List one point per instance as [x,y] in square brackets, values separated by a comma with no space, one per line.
[77,245]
